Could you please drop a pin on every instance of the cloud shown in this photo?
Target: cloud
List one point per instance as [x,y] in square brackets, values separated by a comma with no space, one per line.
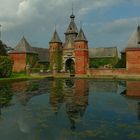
[36,18]
[96,5]
[120,26]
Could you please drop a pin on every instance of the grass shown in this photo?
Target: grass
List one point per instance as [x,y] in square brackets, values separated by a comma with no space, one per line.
[21,76]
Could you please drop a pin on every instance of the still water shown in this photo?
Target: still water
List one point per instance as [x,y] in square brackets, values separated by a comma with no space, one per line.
[70,109]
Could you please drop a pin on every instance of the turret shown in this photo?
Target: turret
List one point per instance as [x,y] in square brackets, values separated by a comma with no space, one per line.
[81,53]
[55,53]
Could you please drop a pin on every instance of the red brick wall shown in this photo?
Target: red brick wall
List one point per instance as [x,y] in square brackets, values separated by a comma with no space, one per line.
[81,57]
[133,60]
[107,71]
[19,61]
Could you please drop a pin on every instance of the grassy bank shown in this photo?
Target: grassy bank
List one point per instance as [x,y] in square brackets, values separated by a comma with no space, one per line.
[22,76]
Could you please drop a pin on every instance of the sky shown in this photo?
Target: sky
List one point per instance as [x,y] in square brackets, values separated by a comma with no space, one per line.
[106,23]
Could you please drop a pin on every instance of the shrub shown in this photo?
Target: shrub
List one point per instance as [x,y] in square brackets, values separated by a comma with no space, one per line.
[5,66]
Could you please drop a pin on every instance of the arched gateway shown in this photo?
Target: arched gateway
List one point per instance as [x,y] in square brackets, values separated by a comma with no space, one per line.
[70,65]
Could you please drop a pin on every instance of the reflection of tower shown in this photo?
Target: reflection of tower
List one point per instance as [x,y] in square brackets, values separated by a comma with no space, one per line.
[56,95]
[77,101]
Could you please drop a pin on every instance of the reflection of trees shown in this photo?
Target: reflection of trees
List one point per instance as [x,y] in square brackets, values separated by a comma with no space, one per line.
[56,95]
[27,89]
[76,101]
[5,96]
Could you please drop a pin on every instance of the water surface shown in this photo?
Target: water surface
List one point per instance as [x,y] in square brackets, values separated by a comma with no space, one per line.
[70,109]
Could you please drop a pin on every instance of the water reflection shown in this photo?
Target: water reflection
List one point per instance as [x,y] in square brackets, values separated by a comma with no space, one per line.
[132,92]
[25,90]
[132,89]
[75,109]
[76,101]
[74,93]
[5,96]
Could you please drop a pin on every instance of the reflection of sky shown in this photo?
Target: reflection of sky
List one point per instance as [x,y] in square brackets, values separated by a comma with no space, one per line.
[107,114]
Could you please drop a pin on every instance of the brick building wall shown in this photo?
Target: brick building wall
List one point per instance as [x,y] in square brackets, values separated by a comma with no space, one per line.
[19,60]
[133,60]
[81,57]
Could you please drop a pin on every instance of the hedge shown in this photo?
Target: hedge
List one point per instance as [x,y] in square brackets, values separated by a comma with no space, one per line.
[5,66]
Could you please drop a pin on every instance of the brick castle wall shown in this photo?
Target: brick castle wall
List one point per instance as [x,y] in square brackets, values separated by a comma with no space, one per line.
[19,61]
[81,57]
[133,60]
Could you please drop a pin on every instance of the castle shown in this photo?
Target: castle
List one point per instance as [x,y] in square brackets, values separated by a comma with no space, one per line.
[72,55]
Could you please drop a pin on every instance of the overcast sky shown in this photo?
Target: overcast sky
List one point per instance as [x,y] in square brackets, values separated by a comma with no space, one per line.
[106,23]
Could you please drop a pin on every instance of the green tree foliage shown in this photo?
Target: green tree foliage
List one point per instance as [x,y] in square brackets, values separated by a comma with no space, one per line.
[121,63]
[101,62]
[32,59]
[5,66]
[2,49]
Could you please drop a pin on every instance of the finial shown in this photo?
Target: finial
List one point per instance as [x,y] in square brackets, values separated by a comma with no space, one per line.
[72,15]
[72,8]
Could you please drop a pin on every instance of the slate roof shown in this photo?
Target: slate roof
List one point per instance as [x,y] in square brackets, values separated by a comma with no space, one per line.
[102,52]
[55,38]
[43,54]
[134,40]
[72,28]
[23,47]
[81,36]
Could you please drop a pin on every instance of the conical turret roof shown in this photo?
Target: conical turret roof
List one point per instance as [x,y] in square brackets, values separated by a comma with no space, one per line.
[81,36]
[55,38]
[23,46]
[72,28]
[134,40]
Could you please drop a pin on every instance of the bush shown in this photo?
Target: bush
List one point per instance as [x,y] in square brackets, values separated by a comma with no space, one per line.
[5,66]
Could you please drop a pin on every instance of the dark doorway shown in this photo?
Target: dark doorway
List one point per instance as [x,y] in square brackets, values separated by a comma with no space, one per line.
[69,65]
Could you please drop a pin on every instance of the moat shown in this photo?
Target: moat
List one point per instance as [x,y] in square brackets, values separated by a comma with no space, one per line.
[70,109]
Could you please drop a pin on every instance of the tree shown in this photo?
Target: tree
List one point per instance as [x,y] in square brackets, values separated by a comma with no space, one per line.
[2,49]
